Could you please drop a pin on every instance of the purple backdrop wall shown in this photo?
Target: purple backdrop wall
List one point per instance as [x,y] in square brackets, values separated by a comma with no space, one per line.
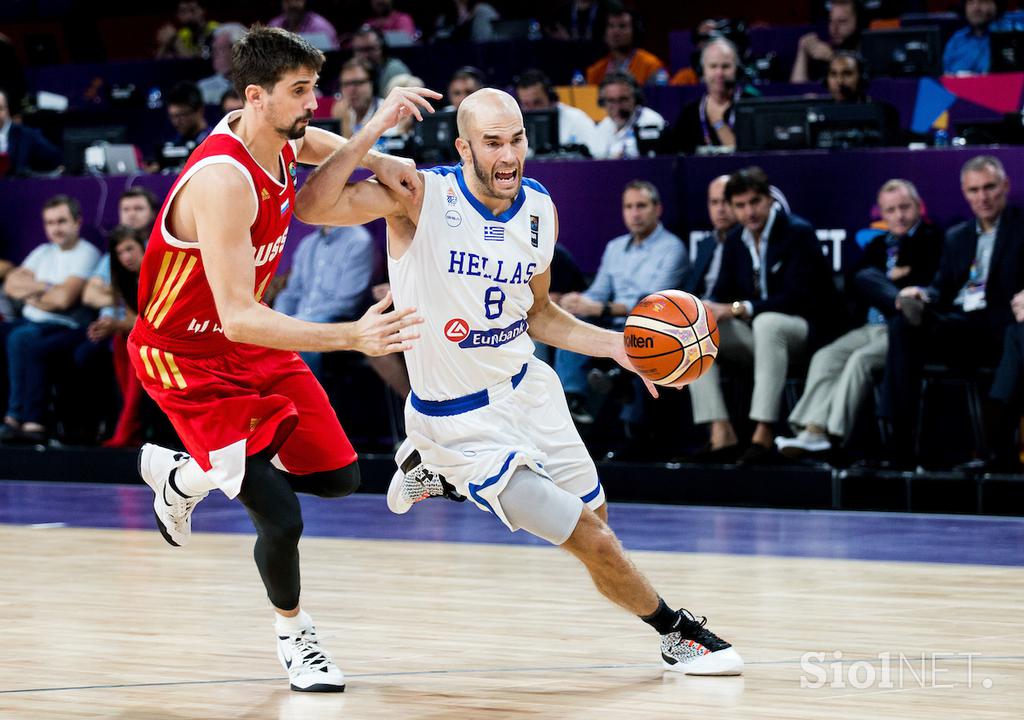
[832,190]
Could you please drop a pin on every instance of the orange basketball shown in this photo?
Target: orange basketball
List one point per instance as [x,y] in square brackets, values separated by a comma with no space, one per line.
[671,338]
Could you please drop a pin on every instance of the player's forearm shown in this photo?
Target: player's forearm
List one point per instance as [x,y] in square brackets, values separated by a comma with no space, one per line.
[554,326]
[326,185]
[259,325]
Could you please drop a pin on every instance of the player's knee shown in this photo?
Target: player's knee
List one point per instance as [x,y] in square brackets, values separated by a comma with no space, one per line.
[341,482]
[592,536]
[281,530]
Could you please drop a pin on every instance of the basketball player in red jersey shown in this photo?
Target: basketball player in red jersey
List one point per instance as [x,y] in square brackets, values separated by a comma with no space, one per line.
[223,366]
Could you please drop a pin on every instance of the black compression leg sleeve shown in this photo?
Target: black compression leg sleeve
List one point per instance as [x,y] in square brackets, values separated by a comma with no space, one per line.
[329,483]
[275,511]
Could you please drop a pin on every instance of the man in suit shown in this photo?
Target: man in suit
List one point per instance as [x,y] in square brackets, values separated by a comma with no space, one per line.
[703,273]
[23,150]
[840,374]
[773,299]
[963,314]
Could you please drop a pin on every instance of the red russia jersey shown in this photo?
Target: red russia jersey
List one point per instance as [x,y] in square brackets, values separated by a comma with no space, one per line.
[176,308]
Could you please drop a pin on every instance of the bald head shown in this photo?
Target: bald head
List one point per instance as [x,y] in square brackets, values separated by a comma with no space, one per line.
[719,211]
[485,107]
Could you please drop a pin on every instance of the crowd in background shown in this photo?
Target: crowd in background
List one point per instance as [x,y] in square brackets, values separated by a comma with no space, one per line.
[857,344]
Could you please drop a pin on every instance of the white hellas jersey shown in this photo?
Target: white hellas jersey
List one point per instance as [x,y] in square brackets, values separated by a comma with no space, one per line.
[467,273]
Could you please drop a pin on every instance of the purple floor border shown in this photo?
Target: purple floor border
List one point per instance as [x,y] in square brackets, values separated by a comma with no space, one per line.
[670,528]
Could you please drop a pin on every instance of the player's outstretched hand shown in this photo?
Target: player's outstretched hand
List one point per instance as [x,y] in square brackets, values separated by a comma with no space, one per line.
[379,332]
[400,104]
[619,356]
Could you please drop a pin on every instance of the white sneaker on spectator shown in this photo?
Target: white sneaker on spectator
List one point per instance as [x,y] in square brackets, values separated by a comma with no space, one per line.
[805,442]
[157,466]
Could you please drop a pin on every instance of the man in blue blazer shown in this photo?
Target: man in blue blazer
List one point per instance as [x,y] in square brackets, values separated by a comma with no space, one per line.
[774,300]
[702,275]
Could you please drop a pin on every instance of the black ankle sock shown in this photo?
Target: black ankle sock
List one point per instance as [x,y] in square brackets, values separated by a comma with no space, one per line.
[663,619]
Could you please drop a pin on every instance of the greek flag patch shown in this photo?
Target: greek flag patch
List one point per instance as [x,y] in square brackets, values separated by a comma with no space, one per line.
[494,233]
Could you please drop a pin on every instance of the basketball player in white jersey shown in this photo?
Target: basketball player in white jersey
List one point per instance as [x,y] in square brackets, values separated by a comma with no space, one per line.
[471,251]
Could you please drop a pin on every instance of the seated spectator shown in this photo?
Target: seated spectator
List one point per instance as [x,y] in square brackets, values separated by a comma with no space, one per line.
[465,81]
[49,283]
[230,101]
[575,128]
[313,27]
[968,49]
[186,114]
[1005,403]
[847,82]
[192,35]
[702,275]
[706,31]
[623,54]
[213,87]
[467,21]
[358,99]
[646,259]
[813,54]
[110,330]
[773,299]
[841,373]
[329,279]
[578,20]
[136,209]
[368,43]
[970,299]
[708,122]
[630,127]
[385,18]
[23,150]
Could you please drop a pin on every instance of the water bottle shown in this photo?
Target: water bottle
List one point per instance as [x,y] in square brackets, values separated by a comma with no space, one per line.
[577,78]
[941,138]
[154,99]
[661,77]
[534,32]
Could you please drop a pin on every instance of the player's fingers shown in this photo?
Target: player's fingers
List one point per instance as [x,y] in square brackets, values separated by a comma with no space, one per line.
[651,388]
[425,93]
[401,318]
[383,304]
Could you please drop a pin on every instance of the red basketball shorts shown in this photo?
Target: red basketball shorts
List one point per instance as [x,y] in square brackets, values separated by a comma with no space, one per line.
[242,402]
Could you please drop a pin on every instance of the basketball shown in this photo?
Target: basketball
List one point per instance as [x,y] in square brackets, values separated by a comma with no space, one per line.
[671,338]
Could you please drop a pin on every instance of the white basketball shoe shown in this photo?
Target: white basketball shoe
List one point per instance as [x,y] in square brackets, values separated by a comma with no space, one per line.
[414,482]
[309,667]
[173,511]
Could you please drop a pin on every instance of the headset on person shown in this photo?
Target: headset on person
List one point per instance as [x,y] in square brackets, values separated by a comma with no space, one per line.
[621,78]
[863,75]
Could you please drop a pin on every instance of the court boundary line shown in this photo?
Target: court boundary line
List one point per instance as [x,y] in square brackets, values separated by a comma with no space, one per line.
[466,671]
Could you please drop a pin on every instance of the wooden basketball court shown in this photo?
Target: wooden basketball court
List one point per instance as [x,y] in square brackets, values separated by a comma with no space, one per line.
[112,623]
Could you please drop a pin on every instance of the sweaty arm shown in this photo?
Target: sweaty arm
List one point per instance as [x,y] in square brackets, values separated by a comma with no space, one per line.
[217,197]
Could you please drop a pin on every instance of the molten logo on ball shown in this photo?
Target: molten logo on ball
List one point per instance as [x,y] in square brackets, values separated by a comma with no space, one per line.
[634,341]
[670,338]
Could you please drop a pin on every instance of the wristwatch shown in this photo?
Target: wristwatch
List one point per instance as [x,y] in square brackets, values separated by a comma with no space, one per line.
[737,309]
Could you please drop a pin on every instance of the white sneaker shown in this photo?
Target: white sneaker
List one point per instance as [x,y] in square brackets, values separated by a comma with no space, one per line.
[805,442]
[413,482]
[309,667]
[173,512]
